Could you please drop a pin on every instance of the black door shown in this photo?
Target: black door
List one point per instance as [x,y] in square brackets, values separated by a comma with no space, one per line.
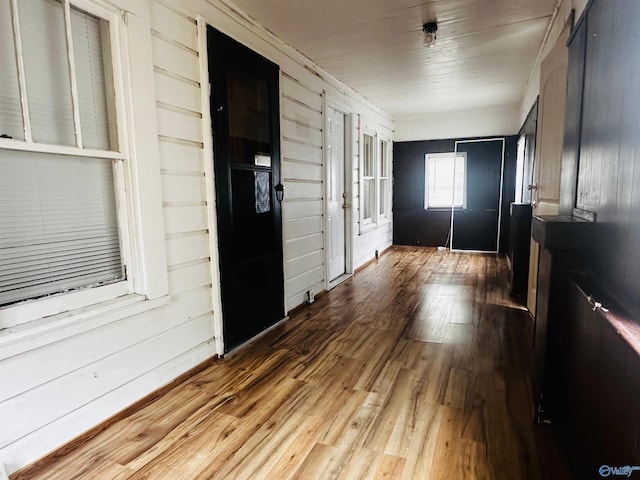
[476,226]
[246,132]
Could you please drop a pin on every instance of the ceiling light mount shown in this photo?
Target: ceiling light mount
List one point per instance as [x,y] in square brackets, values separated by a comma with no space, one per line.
[429,30]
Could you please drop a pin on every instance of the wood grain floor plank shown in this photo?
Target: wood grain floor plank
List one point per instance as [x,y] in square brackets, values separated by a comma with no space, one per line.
[390,467]
[418,367]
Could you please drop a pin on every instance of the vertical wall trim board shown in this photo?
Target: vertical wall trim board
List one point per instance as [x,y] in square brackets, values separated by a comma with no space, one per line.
[210,191]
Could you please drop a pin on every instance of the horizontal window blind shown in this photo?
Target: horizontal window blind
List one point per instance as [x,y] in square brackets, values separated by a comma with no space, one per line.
[58,225]
[11,124]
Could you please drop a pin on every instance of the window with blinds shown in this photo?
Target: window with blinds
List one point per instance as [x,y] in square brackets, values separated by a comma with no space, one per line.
[59,227]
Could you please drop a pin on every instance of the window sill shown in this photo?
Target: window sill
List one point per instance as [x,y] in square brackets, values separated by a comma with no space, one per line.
[373,226]
[47,330]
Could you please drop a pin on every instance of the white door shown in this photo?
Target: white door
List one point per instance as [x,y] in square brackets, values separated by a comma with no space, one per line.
[545,197]
[336,193]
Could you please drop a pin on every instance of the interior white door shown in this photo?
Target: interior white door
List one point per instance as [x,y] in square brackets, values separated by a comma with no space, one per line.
[545,198]
[336,193]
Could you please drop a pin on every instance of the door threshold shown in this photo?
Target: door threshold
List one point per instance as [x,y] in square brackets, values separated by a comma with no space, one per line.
[338,280]
[249,341]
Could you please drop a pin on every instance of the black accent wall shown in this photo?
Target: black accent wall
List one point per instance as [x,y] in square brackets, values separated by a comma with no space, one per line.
[601,160]
[413,225]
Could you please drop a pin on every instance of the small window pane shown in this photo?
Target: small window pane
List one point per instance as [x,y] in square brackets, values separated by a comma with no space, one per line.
[249,125]
[445,184]
[11,124]
[384,196]
[47,74]
[368,157]
[368,199]
[88,33]
[383,159]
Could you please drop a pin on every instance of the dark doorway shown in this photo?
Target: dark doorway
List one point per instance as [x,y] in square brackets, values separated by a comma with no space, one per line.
[246,133]
[477,227]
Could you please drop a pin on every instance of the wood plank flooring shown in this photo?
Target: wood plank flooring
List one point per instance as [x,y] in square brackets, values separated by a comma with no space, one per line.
[416,368]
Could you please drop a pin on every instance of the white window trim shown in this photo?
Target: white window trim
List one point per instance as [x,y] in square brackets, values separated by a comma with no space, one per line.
[377,219]
[139,199]
[426,180]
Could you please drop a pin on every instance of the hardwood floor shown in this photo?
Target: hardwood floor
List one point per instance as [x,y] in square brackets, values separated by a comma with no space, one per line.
[416,368]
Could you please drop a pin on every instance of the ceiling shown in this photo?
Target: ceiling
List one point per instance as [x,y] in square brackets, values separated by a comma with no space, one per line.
[483,57]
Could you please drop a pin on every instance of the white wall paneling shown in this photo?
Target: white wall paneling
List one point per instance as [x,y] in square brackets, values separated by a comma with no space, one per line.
[466,124]
[52,390]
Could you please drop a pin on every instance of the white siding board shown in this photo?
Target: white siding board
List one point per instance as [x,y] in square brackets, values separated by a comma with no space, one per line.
[178,92]
[179,125]
[299,297]
[303,226]
[93,380]
[175,59]
[302,283]
[302,133]
[299,265]
[189,277]
[178,156]
[365,245]
[301,113]
[298,92]
[301,151]
[185,218]
[302,171]
[187,248]
[92,346]
[183,188]
[302,208]
[303,245]
[50,436]
[297,189]
[174,26]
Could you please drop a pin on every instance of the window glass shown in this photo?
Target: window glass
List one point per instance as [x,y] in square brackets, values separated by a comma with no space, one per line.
[46,64]
[368,160]
[445,180]
[368,200]
[249,126]
[91,56]
[384,178]
[11,124]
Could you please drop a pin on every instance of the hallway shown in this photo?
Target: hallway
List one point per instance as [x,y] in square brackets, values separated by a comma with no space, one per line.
[415,368]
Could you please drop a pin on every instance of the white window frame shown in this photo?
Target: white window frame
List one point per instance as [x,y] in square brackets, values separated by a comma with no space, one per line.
[384,148]
[452,155]
[367,223]
[377,218]
[137,178]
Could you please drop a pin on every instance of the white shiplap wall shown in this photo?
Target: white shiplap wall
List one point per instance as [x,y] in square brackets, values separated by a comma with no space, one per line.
[302,174]
[51,392]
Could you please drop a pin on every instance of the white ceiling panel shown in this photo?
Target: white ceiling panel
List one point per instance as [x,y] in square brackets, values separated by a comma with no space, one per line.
[483,57]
